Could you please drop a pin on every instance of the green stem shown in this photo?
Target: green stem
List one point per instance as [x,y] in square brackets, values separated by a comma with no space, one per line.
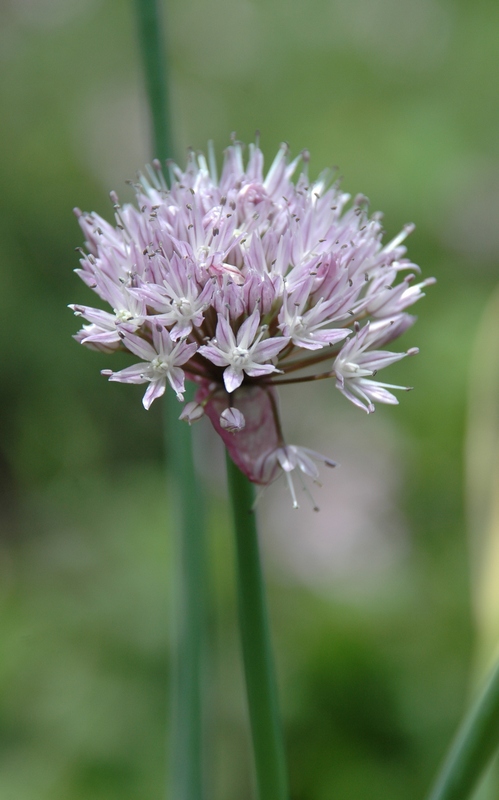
[155,63]
[473,747]
[261,687]
[189,562]
[189,590]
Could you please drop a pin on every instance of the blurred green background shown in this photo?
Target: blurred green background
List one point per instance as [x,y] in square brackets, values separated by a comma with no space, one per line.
[370,599]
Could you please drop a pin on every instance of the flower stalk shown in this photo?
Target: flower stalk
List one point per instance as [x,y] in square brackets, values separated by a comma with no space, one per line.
[189,610]
[154,59]
[189,562]
[268,746]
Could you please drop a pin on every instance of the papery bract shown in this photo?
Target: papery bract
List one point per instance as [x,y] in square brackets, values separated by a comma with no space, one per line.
[250,447]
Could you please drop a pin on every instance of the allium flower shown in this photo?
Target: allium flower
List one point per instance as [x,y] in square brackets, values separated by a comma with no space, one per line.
[242,284]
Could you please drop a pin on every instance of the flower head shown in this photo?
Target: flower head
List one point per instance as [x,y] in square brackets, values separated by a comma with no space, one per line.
[244,283]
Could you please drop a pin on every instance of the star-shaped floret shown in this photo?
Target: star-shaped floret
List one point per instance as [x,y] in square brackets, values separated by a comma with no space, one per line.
[307,328]
[104,331]
[243,353]
[179,302]
[356,366]
[162,361]
[290,458]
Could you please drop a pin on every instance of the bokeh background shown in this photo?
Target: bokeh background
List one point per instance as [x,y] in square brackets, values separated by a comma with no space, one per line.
[370,599]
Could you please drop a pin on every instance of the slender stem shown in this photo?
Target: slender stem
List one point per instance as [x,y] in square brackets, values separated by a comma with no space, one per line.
[304,379]
[261,688]
[154,60]
[190,590]
[302,363]
[189,563]
[473,747]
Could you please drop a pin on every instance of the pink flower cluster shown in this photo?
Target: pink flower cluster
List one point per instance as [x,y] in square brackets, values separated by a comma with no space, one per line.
[243,283]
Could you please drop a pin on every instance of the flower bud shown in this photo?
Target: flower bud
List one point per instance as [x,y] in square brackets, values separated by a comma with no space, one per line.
[232,420]
[191,412]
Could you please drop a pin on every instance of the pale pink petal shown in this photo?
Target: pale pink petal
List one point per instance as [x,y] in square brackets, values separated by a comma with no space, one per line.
[248,329]
[306,464]
[176,377]
[183,352]
[378,393]
[137,373]
[269,348]
[162,340]
[153,391]
[138,346]
[260,369]
[233,378]
[95,315]
[225,335]
[214,354]
[98,335]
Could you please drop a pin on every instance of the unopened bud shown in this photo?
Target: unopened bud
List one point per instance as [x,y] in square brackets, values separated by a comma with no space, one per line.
[191,412]
[232,420]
